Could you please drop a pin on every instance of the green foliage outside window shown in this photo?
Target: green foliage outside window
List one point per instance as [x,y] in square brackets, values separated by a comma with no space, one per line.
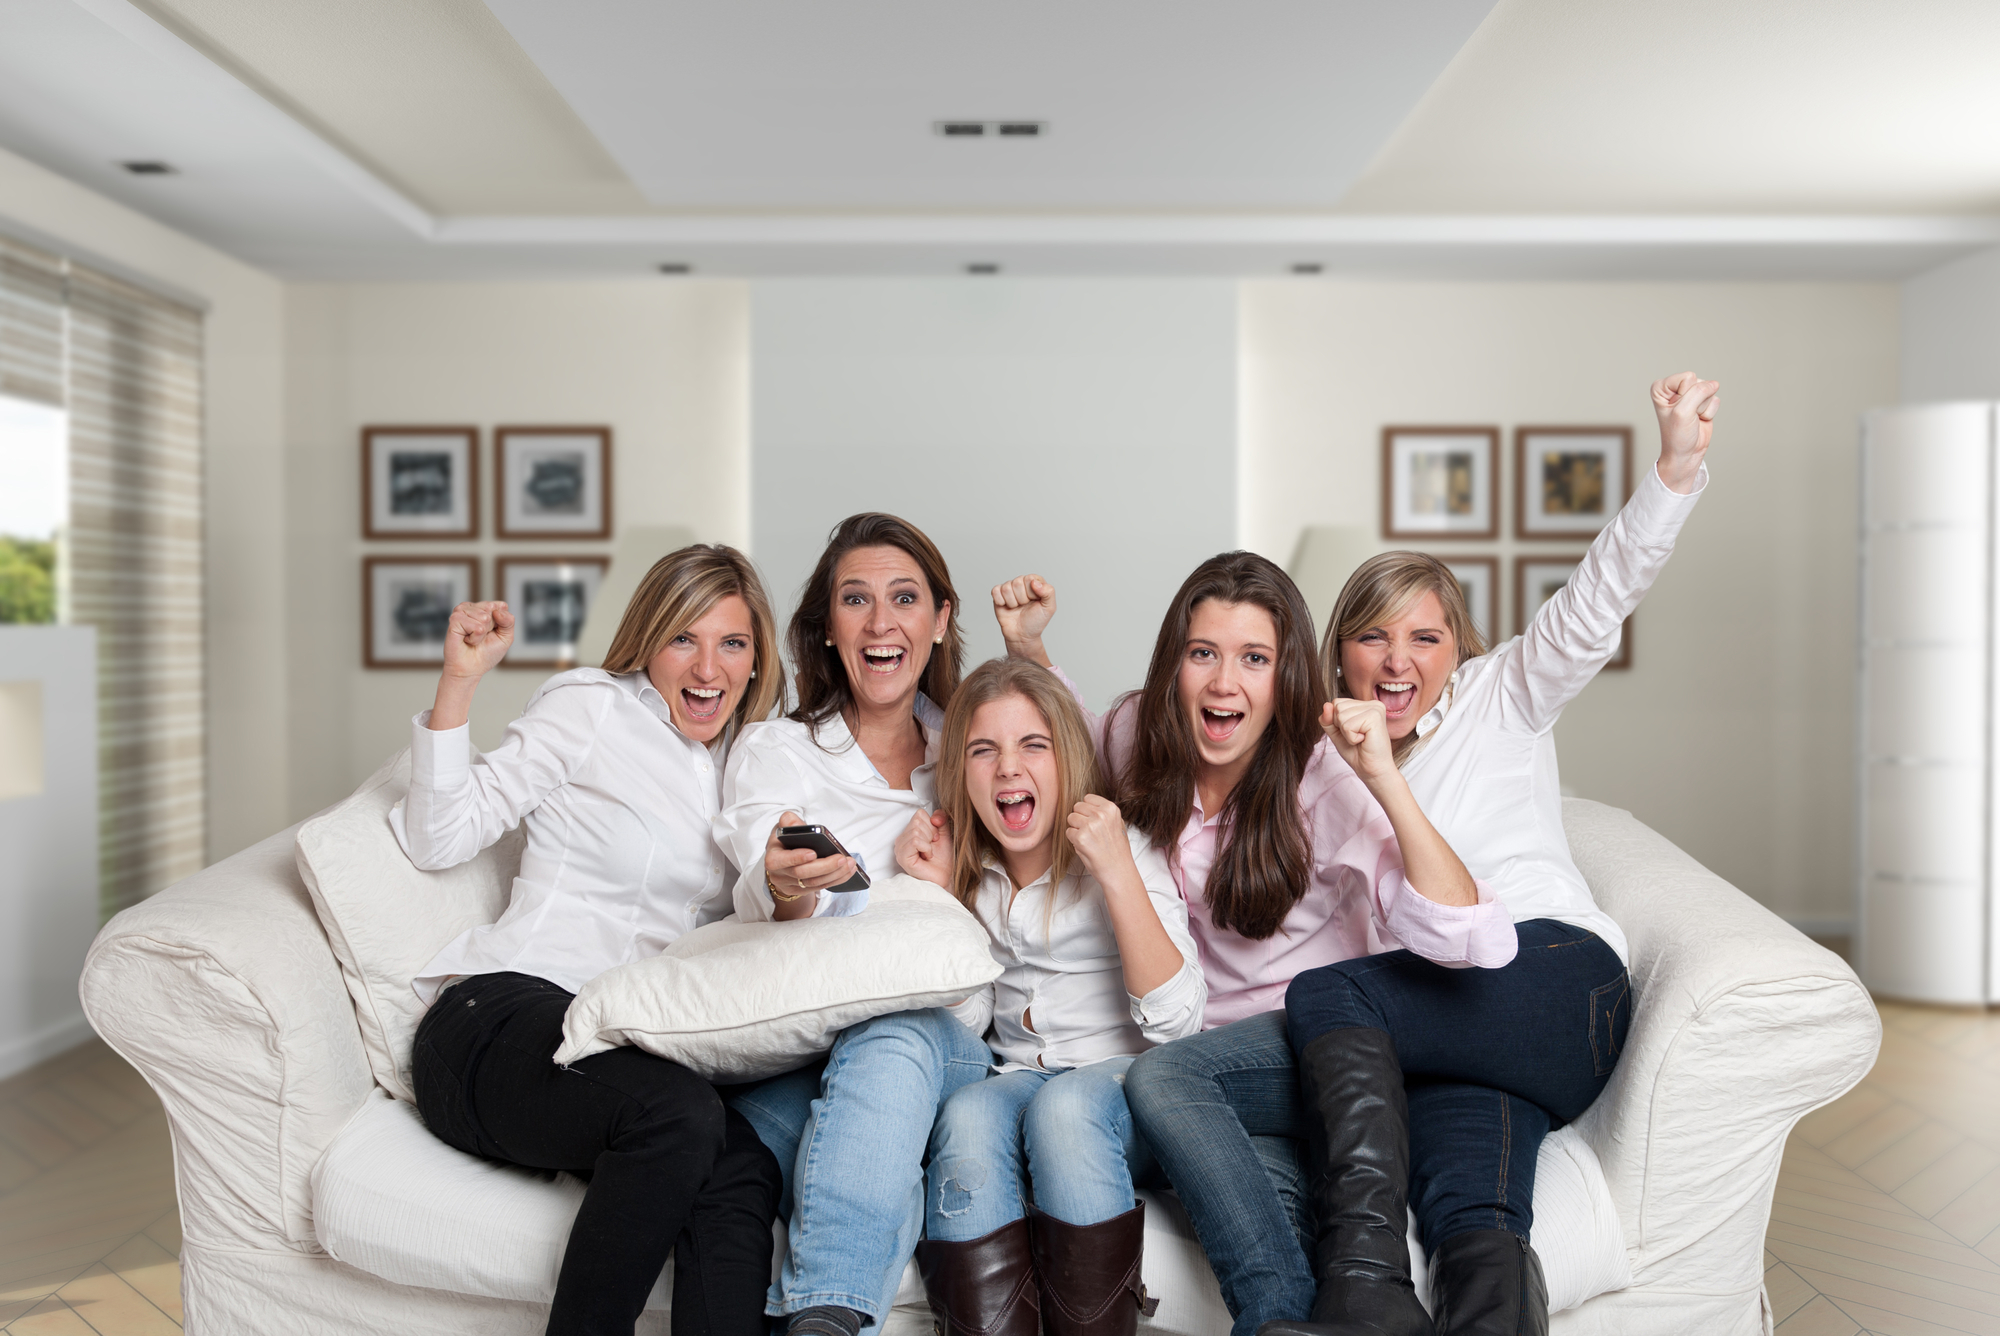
[27,580]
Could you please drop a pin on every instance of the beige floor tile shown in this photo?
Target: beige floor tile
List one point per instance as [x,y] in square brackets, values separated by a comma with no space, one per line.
[1972,1277]
[1869,1280]
[1818,1318]
[1867,1139]
[15,1168]
[1933,1243]
[1850,1110]
[32,1137]
[1863,1206]
[1844,1289]
[1787,1293]
[151,1270]
[1897,1164]
[1769,1261]
[166,1231]
[1944,1181]
[114,1308]
[101,1097]
[1882,1322]
[51,1317]
[35,1288]
[75,1122]
[1974,1213]
[11,1309]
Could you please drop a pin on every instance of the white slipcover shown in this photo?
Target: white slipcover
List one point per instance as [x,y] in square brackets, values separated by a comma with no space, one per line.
[226,993]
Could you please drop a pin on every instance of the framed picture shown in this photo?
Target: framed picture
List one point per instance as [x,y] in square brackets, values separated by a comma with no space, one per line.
[1569,481]
[555,482]
[1536,580]
[1440,482]
[406,605]
[549,596]
[1479,577]
[420,482]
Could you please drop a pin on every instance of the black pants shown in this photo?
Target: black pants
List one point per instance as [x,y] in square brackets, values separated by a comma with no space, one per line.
[669,1166]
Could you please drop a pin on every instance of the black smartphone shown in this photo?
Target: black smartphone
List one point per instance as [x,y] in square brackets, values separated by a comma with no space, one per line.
[820,840]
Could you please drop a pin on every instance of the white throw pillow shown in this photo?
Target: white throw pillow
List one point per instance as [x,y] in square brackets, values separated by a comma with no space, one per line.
[738,1001]
[385,918]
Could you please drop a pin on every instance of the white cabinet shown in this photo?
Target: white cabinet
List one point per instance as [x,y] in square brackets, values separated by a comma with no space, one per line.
[1926,920]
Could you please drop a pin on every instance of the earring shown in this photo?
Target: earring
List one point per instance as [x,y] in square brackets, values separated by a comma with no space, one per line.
[829,642]
[937,640]
[753,674]
[1336,672]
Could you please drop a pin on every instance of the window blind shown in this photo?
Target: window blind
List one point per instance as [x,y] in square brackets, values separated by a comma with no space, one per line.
[31,323]
[135,547]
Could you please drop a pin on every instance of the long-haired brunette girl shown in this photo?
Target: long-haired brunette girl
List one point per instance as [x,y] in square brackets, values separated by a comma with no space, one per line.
[1295,843]
[1083,913]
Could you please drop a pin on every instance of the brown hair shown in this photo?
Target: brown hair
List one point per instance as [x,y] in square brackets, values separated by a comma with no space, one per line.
[822,682]
[1382,589]
[1076,767]
[679,591]
[1265,862]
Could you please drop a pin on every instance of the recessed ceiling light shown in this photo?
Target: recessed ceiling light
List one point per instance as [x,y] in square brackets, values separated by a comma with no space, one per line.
[675,267]
[1015,129]
[982,267]
[1309,267]
[1020,129]
[149,167]
[960,129]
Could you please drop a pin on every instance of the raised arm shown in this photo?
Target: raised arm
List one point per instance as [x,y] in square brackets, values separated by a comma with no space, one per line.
[1359,730]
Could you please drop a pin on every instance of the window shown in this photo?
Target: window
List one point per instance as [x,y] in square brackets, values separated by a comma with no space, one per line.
[34,509]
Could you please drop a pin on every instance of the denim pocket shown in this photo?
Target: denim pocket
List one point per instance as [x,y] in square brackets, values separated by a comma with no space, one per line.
[1610,1019]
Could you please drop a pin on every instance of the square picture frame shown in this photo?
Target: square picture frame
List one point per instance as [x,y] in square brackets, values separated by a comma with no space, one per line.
[1441,483]
[420,482]
[550,597]
[1479,577]
[1570,481]
[406,603]
[1536,579]
[552,482]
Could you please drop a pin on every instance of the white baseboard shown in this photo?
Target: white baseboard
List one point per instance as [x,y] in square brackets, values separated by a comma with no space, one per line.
[17,1055]
[1820,926]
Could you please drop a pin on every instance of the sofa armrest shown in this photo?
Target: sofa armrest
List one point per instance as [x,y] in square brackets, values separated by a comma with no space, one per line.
[223,992]
[1742,1027]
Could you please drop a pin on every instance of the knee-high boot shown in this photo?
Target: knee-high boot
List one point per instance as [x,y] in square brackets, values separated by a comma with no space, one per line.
[1359,1148]
[985,1287]
[1489,1283]
[1090,1274]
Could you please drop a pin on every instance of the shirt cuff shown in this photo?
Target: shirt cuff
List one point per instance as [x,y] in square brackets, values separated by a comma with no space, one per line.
[1656,512]
[1168,1006]
[438,757]
[840,904]
[1480,935]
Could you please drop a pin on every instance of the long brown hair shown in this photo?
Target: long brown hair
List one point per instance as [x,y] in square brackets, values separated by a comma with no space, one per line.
[824,690]
[1265,862]
[1076,767]
[1382,589]
[678,592]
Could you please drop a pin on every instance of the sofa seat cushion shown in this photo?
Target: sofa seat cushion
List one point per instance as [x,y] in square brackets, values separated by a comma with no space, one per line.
[392,1200]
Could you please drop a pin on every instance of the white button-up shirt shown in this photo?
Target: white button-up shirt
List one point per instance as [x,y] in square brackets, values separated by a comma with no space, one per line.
[618,803]
[781,766]
[1486,774]
[1064,975]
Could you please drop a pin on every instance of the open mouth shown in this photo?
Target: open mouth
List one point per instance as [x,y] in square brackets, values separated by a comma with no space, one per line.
[1220,725]
[884,659]
[1017,809]
[702,703]
[1396,697]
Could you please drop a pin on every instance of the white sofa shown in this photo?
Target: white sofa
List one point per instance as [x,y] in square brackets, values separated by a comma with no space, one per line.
[314,1202]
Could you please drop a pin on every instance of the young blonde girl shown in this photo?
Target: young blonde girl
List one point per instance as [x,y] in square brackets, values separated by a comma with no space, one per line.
[1084,914]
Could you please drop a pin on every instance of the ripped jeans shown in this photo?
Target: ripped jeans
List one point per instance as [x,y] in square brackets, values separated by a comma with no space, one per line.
[1068,1134]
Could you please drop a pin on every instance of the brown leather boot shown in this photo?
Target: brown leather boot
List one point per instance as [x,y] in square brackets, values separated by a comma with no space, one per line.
[982,1288]
[1089,1274]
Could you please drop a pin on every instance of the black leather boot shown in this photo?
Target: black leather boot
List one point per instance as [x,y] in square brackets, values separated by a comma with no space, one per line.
[1359,1172]
[1489,1283]
[982,1288]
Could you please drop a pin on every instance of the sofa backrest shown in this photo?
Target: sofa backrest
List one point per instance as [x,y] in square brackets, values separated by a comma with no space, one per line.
[385,919]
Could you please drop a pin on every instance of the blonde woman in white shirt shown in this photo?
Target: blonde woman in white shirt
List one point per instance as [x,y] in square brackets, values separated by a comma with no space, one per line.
[1494,1058]
[1084,914]
[616,772]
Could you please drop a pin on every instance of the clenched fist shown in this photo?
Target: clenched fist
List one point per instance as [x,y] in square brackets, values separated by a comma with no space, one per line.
[1360,733]
[479,636]
[924,848]
[1097,833]
[1686,406]
[1023,607]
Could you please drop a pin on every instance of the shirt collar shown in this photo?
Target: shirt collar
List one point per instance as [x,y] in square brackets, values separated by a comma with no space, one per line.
[641,686]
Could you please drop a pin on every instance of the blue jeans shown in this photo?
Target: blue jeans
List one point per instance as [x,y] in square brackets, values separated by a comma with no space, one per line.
[1221,1111]
[1069,1133]
[850,1138]
[1492,1059]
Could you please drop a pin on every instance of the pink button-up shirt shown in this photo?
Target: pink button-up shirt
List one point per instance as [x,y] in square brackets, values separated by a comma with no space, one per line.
[1357,904]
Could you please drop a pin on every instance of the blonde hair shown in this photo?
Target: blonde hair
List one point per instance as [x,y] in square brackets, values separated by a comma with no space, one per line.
[1382,589]
[681,589]
[1076,767]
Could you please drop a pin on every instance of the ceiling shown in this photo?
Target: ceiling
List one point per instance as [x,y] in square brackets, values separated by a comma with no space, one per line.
[1526,138]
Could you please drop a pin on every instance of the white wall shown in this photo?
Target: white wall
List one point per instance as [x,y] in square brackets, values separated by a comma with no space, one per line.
[1733,734]
[48,832]
[243,483]
[1951,331]
[1081,429]
[660,362]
